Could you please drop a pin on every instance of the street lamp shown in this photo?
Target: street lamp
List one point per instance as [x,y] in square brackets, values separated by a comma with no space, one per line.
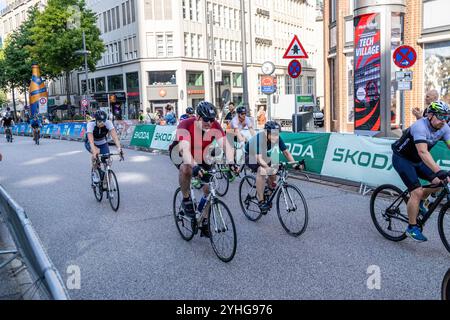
[85,53]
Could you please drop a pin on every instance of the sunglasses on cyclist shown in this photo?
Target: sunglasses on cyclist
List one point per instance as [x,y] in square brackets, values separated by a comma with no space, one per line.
[211,120]
[442,117]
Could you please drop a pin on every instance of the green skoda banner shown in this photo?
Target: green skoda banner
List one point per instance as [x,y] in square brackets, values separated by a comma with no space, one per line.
[360,159]
[143,135]
[309,146]
[441,154]
[163,137]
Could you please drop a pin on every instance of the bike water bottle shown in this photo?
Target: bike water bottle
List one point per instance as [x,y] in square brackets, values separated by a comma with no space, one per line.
[201,204]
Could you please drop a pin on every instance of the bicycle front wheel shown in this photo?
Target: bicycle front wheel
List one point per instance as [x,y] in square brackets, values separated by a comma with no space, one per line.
[222,231]
[97,187]
[183,223]
[113,192]
[446,286]
[222,182]
[388,212]
[248,198]
[444,226]
[292,210]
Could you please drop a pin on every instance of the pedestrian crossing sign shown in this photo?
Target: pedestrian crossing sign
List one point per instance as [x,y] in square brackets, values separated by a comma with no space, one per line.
[295,50]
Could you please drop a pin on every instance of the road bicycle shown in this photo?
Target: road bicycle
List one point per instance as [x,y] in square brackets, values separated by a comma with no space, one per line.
[215,216]
[389,215]
[36,136]
[107,181]
[445,291]
[292,209]
[8,133]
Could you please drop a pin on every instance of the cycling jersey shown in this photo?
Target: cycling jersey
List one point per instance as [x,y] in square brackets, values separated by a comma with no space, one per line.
[7,121]
[199,139]
[99,133]
[256,145]
[184,117]
[35,124]
[236,124]
[420,132]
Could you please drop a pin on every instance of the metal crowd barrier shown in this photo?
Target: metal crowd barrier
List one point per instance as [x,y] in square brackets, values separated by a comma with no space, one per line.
[30,249]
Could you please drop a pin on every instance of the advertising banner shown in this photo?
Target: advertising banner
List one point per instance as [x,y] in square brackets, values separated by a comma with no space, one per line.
[75,132]
[361,159]
[163,137]
[142,136]
[311,147]
[367,79]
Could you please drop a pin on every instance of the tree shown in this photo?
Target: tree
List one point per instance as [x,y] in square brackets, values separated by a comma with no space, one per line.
[56,42]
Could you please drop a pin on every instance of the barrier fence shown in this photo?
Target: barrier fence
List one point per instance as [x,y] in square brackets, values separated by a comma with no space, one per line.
[350,157]
[30,250]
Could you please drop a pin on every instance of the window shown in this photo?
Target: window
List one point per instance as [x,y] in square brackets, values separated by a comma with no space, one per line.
[350,91]
[115,82]
[184,8]
[148,9]
[113,14]
[299,85]
[109,20]
[437,68]
[310,85]
[186,46]
[118,17]
[192,45]
[199,46]
[197,12]
[332,11]
[169,40]
[435,14]
[237,80]
[133,11]
[195,79]
[132,82]
[128,12]
[105,22]
[124,14]
[162,77]
[289,84]
[100,84]
[191,9]
[160,45]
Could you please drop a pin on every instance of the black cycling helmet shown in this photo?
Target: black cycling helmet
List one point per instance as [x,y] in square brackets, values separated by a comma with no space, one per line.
[206,110]
[241,109]
[272,126]
[190,110]
[101,116]
[8,109]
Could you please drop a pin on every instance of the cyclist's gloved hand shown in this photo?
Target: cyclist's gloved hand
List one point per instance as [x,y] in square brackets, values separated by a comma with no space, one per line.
[300,165]
[442,175]
[197,171]
[234,168]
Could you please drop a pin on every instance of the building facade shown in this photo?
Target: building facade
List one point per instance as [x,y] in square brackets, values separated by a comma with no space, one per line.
[425,27]
[158,52]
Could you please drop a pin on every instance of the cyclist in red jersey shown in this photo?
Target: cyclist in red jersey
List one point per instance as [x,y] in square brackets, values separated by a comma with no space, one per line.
[190,149]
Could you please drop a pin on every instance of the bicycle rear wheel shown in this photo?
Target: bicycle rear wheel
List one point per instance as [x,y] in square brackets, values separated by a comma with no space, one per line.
[248,199]
[222,231]
[97,187]
[294,217]
[388,212]
[113,192]
[444,226]
[445,291]
[184,224]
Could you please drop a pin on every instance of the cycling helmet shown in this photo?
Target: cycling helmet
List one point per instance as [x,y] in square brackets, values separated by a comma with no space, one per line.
[190,110]
[206,110]
[439,107]
[101,116]
[241,109]
[272,126]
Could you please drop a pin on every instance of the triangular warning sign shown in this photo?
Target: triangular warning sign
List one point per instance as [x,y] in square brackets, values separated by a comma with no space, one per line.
[295,50]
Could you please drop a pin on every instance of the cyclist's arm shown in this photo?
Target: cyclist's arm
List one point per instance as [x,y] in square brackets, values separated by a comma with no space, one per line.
[238,134]
[425,155]
[262,162]
[185,149]
[115,138]
[288,156]
[228,148]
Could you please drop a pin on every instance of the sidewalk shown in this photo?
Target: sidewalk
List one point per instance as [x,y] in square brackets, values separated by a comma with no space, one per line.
[9,284]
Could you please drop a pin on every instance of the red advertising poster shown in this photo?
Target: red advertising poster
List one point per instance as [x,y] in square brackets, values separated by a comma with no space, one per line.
[367,72]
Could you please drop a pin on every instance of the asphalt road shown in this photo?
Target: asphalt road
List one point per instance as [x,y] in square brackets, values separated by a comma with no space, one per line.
[137,252]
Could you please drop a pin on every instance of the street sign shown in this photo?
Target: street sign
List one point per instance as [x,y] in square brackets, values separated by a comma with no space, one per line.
[404,85]
[294,69]
[217,71]
[405,57]
[43,100]
[268,84]
[295,50]
[43,105]
[403,75]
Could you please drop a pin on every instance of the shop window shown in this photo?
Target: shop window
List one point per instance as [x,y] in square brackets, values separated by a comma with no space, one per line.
[162,77]
[115,82]
[195,79]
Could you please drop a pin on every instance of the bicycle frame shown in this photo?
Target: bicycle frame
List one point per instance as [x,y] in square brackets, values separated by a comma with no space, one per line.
[445,192]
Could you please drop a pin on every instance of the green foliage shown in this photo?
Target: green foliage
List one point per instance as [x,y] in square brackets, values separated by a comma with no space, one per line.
[56,42]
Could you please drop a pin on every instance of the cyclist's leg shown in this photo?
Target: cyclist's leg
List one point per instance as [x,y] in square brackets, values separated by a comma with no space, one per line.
[427,174]
[408,173]
[185,177]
